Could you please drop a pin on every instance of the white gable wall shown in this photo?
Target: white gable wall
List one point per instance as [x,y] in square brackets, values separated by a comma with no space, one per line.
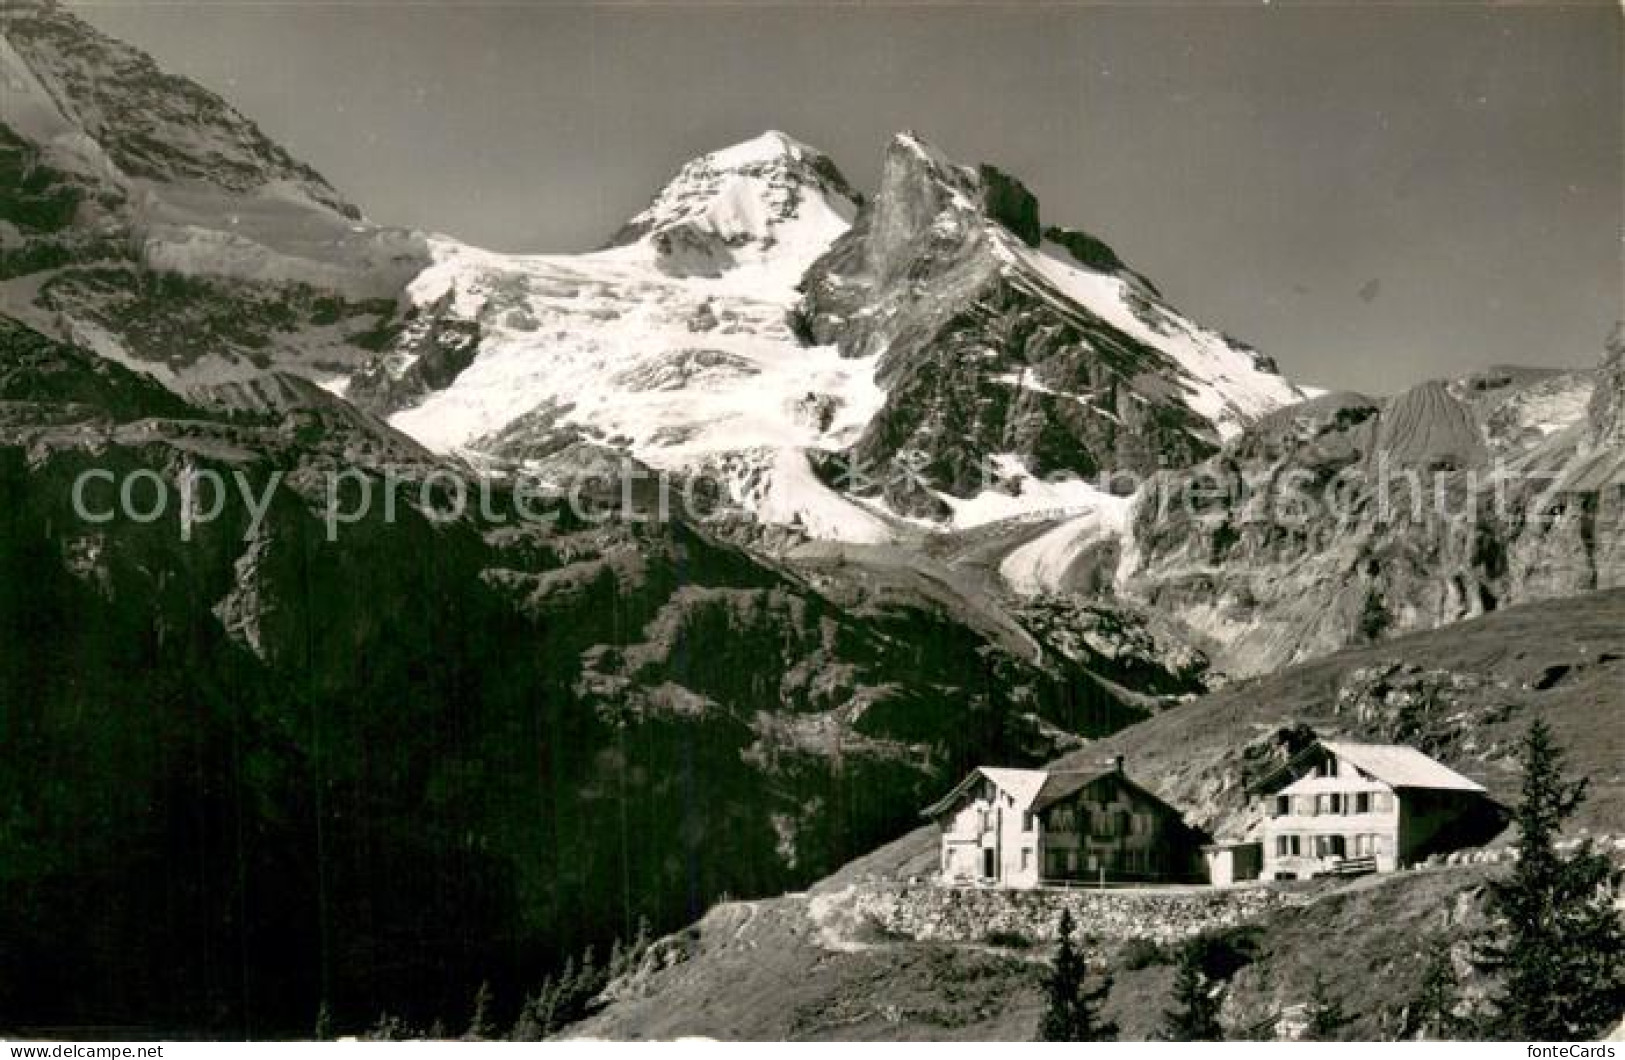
[1348,811]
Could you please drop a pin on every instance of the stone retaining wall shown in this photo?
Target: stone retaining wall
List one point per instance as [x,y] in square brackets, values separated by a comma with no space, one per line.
[972,914]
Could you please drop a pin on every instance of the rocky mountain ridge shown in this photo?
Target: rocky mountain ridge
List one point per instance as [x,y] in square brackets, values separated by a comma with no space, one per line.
[143,216]
[1344,520]
[996,341]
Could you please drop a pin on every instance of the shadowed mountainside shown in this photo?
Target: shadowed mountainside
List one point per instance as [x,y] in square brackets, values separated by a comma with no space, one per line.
[378,768]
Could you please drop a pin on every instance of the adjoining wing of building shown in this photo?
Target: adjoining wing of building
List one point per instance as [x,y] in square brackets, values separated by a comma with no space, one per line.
[1027,827]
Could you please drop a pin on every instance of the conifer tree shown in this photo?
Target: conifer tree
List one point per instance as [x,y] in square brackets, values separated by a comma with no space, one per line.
[1326,1020]
[1433,1013]
[1195,1015]
[481,1026]
[387,1029]
[324,1023]
[528,1026]
[1073,1010]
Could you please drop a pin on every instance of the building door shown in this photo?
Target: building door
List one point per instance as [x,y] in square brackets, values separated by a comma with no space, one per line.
[987,863]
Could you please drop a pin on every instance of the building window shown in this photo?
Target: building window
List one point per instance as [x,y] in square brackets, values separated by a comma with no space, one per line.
[1287,846]
[1026,858]
[1283,805]
[1385,802]
[1362,802]
[1027,822]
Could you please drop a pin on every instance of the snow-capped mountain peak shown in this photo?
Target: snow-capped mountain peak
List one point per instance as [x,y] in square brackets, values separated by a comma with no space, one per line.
[672,344]
[768,203]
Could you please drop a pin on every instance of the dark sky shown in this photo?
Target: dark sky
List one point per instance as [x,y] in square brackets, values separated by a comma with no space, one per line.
[1373,193]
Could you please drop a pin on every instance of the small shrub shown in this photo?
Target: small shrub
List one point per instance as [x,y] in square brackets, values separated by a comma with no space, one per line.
[1010,940]
[1142,953]
[872,929]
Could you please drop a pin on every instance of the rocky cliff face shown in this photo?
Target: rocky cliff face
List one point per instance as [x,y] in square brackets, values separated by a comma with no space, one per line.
[117,106]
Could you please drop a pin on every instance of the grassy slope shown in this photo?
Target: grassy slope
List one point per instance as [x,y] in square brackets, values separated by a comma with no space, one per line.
[1184,753]
[1513,650]
[787,969]
[784,968]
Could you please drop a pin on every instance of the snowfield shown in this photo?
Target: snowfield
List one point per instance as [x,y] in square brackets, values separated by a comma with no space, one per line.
[676,369]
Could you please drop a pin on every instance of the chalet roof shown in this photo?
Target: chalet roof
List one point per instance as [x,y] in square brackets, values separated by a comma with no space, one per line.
[1400,766]
[1394,764]
[1022,784]
[1032,789]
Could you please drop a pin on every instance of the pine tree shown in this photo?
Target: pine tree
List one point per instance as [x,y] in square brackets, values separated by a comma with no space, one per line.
[1325,1017]
[1195,1015]
[1072,1014]
[1433,1013]
[547,1007]
[1558,942]
[563,993]
[580,989]
[481,1027]
[589,981]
